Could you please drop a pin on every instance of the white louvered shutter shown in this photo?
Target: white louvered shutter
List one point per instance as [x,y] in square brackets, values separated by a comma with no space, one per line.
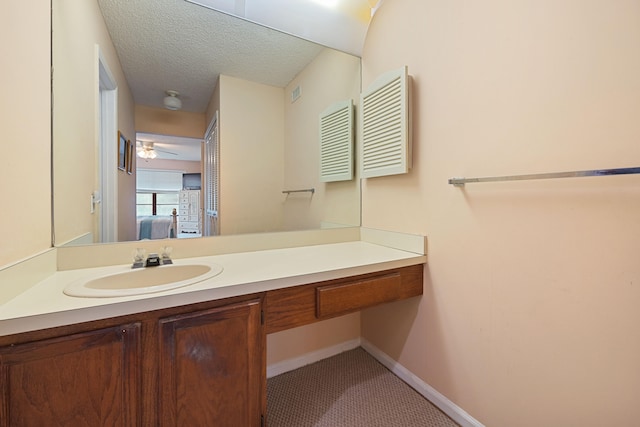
[211,179]
[336,142]
[385,125]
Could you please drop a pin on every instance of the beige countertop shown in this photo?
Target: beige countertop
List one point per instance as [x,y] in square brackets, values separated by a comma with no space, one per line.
[44,305]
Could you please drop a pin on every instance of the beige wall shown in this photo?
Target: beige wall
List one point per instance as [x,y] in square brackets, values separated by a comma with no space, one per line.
[214,104]
[292,343]
[255,126]
[332,76]
[79,31]
[187,166]
[530,314]
[166,122]
[25,183]
[251,144]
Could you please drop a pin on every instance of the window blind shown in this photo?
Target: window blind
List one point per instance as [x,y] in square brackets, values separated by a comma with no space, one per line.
[158,181]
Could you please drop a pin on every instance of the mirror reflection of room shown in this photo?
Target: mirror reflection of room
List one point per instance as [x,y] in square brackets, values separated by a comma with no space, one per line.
[164,91]
[168,187]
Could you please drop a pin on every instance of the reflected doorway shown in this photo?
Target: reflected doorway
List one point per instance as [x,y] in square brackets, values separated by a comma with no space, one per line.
[168,179]
[105,199]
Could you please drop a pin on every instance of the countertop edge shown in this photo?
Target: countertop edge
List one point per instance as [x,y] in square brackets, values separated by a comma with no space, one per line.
[35,322]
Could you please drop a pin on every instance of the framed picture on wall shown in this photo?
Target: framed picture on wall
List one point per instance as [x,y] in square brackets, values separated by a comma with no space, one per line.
[130,156]
[122,151]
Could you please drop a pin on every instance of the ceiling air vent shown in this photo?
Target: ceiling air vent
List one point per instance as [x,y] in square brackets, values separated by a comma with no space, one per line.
[385,125]
[336,142]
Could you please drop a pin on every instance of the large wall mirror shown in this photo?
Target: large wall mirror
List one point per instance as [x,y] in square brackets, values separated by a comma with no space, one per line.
[115,62]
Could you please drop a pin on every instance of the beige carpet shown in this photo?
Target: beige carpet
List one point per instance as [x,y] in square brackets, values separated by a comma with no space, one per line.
[351,389]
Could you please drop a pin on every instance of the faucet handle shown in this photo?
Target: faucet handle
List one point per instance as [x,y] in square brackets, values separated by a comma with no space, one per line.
[165,255]
[139,256]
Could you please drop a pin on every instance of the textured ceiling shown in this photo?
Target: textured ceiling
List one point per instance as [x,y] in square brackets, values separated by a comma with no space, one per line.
[176,45]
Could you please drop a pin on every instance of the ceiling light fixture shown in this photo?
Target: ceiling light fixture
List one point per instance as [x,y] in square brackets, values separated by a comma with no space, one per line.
[146,151]
[171,101]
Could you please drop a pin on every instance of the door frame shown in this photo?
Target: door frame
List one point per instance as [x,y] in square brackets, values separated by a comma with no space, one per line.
[107,199]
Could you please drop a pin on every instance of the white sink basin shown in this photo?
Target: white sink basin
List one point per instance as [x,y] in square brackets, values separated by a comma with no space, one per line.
[143,280]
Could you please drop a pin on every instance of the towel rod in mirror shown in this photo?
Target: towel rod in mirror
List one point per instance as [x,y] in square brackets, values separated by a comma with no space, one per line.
[306,190]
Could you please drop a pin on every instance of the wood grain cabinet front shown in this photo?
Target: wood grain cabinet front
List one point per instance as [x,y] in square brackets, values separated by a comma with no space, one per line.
[210,367]
[301,305]
[195,365]
[84,379]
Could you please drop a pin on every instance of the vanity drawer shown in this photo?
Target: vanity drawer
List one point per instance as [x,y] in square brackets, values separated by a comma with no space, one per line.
[334,300]
[301,305]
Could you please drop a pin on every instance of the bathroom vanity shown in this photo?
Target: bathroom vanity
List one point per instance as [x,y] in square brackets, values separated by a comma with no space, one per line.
[193,365]
[185,362]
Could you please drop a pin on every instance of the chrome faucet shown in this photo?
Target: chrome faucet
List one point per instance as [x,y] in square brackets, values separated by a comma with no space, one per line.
[153,260]
[140,258]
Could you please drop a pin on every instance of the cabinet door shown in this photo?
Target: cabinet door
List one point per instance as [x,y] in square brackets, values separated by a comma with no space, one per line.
[86,379]
[194,203]
[211,367]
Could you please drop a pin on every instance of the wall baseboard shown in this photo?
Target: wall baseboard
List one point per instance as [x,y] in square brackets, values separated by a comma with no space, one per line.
[309,358]
[455,412]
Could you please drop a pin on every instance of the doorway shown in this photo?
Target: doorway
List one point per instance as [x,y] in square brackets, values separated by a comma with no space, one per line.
[105,199]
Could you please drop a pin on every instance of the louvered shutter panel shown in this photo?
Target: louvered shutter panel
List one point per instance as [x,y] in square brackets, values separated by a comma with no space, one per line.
[385,128]
[211,179]
[336,142]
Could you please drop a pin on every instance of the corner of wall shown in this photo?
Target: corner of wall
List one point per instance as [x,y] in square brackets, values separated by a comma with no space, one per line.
[21,275]
[403,241]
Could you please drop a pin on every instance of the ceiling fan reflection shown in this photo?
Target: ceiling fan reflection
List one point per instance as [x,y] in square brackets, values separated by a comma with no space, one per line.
[147,150]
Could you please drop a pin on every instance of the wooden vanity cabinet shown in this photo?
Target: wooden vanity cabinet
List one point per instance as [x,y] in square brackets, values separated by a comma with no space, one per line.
[211,367]
[201,364]
[301,305]
[87,379]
